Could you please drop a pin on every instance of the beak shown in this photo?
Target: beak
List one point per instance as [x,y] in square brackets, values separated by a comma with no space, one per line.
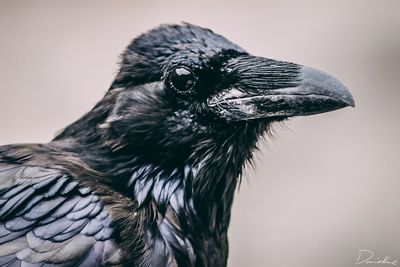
[260,88]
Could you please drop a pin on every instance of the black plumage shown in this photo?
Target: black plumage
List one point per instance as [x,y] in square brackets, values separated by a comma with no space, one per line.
[147,177]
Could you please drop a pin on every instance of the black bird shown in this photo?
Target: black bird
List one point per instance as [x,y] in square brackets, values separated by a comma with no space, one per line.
[147,177]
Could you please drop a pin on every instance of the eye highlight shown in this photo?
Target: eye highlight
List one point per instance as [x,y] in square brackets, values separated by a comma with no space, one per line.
[182,80]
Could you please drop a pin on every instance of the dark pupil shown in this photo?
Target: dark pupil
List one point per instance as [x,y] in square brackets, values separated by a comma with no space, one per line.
[182,79]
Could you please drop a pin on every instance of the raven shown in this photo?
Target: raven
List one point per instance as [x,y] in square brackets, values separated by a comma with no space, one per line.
[147,177]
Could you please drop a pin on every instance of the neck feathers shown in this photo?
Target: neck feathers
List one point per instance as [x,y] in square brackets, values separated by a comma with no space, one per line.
[183,193]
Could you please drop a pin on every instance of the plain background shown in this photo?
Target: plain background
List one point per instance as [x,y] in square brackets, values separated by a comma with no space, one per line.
[324,186]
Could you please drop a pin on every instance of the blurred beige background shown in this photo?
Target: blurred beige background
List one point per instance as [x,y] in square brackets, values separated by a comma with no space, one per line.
[324,187]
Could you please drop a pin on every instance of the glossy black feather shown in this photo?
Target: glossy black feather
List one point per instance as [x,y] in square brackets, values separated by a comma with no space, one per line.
[39,225]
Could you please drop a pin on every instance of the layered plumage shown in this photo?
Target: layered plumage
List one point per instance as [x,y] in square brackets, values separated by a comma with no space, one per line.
[147,177]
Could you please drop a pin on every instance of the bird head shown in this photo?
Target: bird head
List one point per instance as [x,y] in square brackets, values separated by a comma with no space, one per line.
[182,85]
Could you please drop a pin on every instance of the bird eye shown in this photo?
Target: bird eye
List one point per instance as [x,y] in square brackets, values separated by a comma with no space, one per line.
[182,80]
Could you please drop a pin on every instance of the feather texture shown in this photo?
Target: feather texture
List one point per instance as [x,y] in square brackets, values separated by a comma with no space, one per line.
[46,220]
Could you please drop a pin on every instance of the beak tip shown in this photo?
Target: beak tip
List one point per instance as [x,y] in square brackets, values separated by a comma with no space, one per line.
[352,103]
[325,84]
[348,99]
